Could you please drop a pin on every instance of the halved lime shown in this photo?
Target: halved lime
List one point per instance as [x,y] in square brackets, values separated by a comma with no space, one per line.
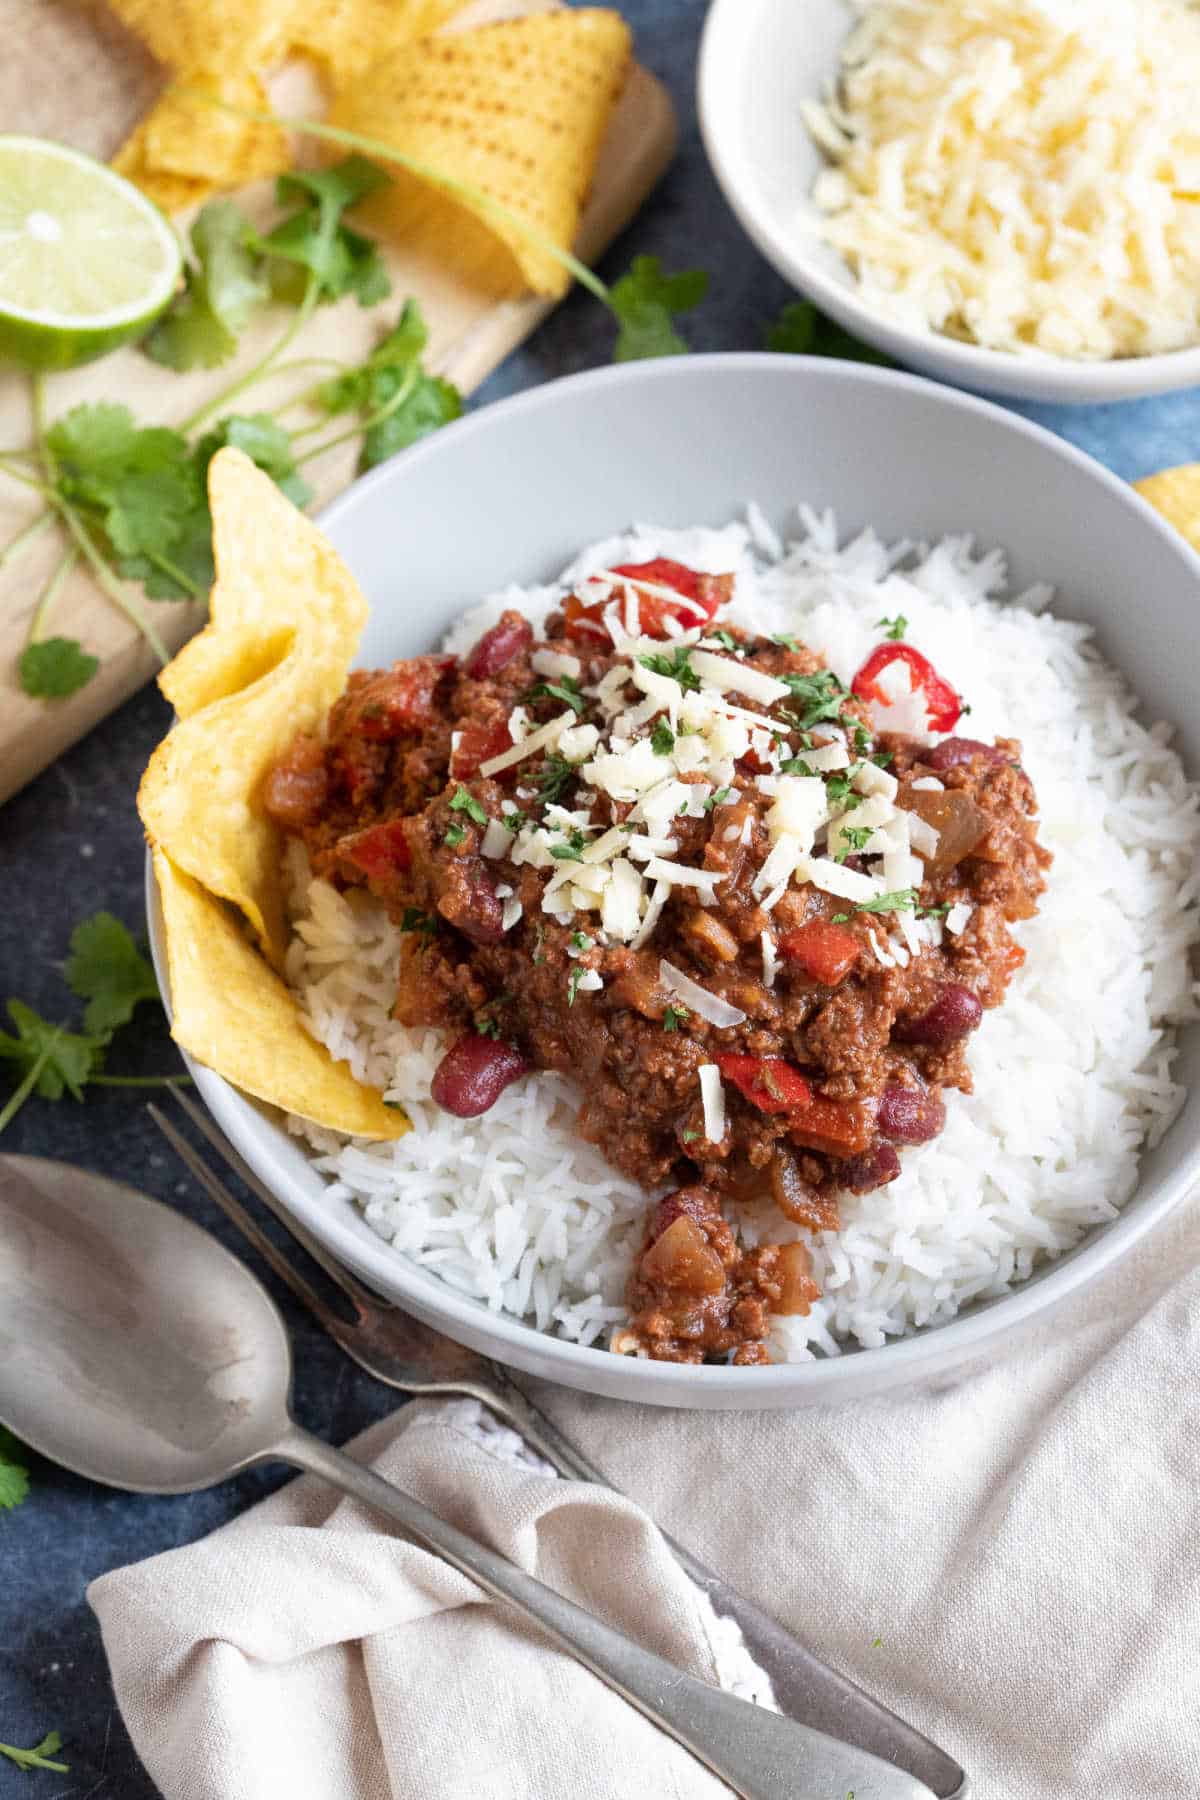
[86,261]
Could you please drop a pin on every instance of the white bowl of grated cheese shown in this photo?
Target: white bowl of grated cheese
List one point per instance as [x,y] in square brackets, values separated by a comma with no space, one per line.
[1006,196]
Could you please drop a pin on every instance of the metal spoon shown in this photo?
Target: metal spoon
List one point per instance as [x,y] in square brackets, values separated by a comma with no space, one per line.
[136,1350]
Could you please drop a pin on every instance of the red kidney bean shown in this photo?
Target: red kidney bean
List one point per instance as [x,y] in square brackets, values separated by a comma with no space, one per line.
[508,637]
[474,1073]
[910,1116]
[954,1014]
[874,1169]
[953,751]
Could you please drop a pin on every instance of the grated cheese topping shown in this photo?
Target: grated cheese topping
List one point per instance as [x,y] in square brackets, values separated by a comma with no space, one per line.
[1021,173]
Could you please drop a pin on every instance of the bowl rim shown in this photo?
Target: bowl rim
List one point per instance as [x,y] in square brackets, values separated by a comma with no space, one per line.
[256,1134]
[1044,376]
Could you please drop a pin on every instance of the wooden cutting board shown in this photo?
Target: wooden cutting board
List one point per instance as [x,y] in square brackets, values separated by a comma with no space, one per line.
[70,71]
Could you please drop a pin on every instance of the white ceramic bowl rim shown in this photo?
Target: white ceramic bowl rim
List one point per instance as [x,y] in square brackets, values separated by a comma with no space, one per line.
[1040,375]
[511,1338]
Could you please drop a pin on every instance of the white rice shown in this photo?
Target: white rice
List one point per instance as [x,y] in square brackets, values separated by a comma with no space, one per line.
[1072,1074]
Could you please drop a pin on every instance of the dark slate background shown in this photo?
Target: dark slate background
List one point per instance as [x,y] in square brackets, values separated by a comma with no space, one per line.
[71,844]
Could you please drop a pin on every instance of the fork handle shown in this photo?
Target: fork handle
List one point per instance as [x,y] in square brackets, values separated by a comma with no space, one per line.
[761,1755]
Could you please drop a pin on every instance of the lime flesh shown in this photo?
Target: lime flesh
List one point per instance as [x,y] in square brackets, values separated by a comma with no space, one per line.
[86,261]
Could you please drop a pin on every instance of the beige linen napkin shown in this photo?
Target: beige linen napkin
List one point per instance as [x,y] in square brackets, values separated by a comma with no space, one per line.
[1024,1541]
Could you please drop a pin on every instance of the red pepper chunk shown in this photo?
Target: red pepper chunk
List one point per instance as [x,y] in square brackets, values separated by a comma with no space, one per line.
[379,851]
[825,952]
[768,1082]
[943,705]
[478,744]
[394,701]
[704,592]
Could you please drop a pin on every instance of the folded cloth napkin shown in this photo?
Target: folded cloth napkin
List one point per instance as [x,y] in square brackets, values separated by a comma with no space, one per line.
[1009,1558]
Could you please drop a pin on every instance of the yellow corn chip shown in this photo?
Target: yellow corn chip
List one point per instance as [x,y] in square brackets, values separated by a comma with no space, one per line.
[171,192]
[344,36]
[209,34]
[1175,493]
[185,136]
[234,1014]
[286,617]
[517,110]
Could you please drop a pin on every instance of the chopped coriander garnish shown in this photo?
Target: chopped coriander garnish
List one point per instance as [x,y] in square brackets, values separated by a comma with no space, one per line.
[689,1137]
[464,801]
[573,981]
[933,912]
[896,627]
[718,799]
[853,838]
[38,1757]
[662,738]
[565,689]
[840,793]
[795,765]
[678,665]
[882,758]
[513,821]
[673,1017]
[786,639]
[539,938]
[581,941]
[572,850]
[862,740]
[486,1027]
[455,835]
[413,919]
[726,639]
[556,777]
[821,694]
[903,900]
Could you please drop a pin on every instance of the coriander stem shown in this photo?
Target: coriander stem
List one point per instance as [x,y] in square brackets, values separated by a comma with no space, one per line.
[15,545]
[264,365]
[109,582]
[51,591]
[460,190]
[177,574]
[20,475]
[376,418]
[20,1095]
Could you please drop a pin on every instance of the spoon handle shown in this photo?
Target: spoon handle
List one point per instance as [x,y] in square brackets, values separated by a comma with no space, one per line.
[760,1754]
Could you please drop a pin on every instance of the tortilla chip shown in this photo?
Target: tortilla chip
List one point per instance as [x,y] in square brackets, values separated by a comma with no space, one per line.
[213,34]
[1175,493]
[286,618]
[234,1014]
[344,36]
[183,136]
[517,110]
[170,192]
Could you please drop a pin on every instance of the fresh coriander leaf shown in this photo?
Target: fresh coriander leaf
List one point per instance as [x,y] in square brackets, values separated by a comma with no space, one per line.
[573,980]
[787,640]
[224,287]
[565,689]
[677,665]
[662,738]
[38,1757]
[718,799]
[313,241]
[14,1476]
[673,1017]
[366,388]
[266,443]
[903,900]
[106,968]
[55,667]
[933,912]
[412,919]
[71,1061]
[486,1027]
[454,836]
[853,839]
[430,404]
[689,1137]
[896,627]
[555,778]
[465,802]
[822,696]
[644,301]
[727,640]
[837,789]
[581,941]
[513,821]
[882,758]
[795,765]
[572,850]
[800,330]
[140,485]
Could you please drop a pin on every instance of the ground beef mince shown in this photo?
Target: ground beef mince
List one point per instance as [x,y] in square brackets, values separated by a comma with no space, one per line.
[687,867]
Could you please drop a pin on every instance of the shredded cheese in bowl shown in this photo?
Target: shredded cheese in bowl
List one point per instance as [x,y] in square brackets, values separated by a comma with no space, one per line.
[1024,174]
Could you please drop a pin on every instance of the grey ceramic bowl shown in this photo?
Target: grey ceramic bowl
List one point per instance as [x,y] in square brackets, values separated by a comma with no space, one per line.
[512,492]
[759,61]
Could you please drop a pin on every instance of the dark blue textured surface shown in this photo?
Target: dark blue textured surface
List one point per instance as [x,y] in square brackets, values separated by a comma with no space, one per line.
[71,843]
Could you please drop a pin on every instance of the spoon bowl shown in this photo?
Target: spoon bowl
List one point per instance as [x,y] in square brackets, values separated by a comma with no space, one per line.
[134,1348]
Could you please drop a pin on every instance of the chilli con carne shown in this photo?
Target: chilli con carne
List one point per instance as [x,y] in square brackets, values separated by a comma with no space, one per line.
[687,867]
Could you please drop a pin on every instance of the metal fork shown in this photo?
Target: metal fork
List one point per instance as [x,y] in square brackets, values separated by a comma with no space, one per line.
[410,1356]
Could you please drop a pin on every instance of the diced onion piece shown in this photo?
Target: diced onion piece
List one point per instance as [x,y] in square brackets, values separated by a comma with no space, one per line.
[729,676]
[712,1096]
[707,1006]
[922,836]
[537,740]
